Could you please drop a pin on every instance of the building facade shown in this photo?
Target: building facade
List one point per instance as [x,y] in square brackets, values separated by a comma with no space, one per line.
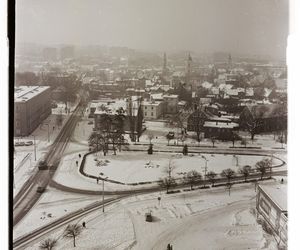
[271,205]
[32,105]
[152,109]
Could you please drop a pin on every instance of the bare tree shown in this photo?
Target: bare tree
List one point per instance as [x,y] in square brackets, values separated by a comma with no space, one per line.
[72,231]
[228,187]
[198,120]
[228,173]
[98,141]
[262,167]
[213,140]
[245,171]
[211,175]
[169,169]
[48,244]
[167,183]
[252,127]
[193,177]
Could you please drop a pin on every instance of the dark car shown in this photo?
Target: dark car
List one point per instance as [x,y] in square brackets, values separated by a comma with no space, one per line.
[43,165]
[171,135]
[28,143]
[90,122]
[148,217]
[40,189]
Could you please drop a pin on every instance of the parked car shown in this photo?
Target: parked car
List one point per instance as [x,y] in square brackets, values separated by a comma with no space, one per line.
[90,122]
[17,144]
[148,217]
[171,135]
[28,143]
[21,143]
[40,189]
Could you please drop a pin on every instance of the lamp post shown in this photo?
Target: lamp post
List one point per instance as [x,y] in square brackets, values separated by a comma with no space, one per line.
[205,169]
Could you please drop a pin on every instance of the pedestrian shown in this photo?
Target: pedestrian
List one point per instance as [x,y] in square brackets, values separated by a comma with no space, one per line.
[97,180]
[83,224]
[281,180]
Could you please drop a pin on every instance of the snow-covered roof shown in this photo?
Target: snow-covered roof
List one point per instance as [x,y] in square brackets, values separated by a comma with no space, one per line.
[220,124]
[152,103]
[234,92]
[170,96]
[111,106]
[277,193]
[206,85]
[158,96]
[25,93]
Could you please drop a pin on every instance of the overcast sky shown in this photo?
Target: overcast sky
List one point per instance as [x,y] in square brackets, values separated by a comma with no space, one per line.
[241,26]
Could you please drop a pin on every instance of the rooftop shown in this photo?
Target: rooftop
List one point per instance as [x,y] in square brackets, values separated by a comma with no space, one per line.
[25,93]
[220,124]
[277,193]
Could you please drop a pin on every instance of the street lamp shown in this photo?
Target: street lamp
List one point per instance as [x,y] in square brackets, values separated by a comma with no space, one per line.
[103,179]
[205,169]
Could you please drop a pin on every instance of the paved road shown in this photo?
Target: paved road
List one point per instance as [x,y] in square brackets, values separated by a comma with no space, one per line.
[25,200]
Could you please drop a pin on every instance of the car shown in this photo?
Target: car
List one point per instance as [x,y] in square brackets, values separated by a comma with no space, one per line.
[148,217]
[43,165]
[17,144]
[21,143]
[171,135]
[90,122]
[28,143]
[40,189]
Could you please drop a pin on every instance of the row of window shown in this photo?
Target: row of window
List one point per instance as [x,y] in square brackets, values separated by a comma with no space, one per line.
[151,107]
[146,113]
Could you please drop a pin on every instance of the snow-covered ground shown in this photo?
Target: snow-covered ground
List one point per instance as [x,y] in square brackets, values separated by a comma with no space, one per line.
[132,167]
[160,129]
[200,219]
[52,205]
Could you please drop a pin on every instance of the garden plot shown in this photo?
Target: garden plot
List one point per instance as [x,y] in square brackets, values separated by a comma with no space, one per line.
[133,167]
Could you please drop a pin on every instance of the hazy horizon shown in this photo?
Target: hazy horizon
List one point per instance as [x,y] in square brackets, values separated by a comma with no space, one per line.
[204,26]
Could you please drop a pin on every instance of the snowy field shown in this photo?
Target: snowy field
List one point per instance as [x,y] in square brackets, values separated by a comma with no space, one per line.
[52,205]
[200,219]
[131,167]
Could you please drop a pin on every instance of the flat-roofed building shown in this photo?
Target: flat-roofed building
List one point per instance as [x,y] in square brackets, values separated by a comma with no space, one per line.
[32,105]
[152,109]
[271,204]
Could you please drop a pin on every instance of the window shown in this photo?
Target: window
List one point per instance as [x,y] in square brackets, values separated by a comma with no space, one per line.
[145,107]
[145,113]
[265,207]
[151,107]
[151,113]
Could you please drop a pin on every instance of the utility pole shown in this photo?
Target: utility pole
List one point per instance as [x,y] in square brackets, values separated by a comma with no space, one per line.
[103,195]
[205,169]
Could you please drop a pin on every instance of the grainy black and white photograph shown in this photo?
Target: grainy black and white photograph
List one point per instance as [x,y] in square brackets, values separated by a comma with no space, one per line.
[147,124]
